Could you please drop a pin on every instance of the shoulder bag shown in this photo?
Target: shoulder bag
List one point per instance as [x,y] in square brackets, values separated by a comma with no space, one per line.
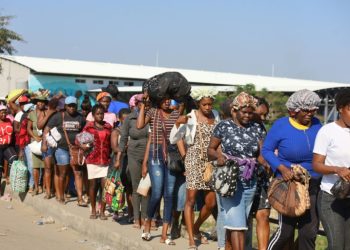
[341,189]
[77,157]
[174,160]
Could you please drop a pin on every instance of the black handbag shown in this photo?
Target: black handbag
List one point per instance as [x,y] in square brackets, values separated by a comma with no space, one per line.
[341,189]
[175,161]
[10,154]
[224,178]
[173,158]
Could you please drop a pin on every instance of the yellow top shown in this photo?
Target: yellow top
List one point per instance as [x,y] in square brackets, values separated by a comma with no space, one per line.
[297,125]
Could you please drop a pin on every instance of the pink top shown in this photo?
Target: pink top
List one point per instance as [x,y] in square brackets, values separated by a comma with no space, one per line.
[109,117]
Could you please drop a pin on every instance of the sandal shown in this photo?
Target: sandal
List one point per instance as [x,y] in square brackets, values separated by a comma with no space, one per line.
[194,247]
[200,237]
[93,216]
[103,217]
[146,236]
[82,203]
[168,242]
[48,196]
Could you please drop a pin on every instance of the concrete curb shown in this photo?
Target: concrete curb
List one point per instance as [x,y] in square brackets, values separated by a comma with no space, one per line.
[101,231]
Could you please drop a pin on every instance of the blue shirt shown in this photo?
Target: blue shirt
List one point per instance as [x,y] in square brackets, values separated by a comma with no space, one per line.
[294,145]
[115,106]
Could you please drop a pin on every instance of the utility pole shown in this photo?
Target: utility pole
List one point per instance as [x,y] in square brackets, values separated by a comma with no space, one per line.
[273,70]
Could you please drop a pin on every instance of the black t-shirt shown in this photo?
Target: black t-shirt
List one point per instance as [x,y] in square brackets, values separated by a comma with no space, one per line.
[73,125]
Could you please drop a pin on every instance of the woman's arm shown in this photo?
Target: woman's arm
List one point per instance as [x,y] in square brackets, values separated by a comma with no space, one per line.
[30,131]
[114,140]
[142,119]
[214,153]
[11,103]
[16,126]
[318,164]
[146,156]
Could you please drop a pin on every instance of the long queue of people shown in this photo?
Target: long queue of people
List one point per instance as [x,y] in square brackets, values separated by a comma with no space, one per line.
[136,139]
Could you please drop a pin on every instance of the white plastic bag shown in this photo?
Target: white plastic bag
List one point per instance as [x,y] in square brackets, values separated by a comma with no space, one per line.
[35,147]
[53,137]
[144,185]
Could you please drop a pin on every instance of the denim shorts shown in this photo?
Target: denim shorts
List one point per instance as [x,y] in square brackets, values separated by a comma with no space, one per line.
[237,207]
[62,157]
[49,153]
[180,193]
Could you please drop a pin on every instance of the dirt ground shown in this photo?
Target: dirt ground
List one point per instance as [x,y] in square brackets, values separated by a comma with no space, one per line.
[19,230]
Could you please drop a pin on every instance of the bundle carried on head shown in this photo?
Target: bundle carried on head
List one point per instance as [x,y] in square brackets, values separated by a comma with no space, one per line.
[171,85]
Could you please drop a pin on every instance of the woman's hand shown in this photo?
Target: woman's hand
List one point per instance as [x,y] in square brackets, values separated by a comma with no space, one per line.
[287,173]
[85,147]
[221,160]
[183,119]
[144,169]
[117,164]
[37,138]
[344,173]
[43,147]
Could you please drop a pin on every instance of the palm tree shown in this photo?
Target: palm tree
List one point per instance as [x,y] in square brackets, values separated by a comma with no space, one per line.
[7,36]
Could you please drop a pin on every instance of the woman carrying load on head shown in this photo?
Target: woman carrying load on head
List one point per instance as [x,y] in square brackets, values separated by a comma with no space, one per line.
[161,120]
[294,138]
[240,138]
[195,130]
[332,159]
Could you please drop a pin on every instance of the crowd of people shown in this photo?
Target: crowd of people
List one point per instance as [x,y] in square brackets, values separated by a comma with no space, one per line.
[137,138]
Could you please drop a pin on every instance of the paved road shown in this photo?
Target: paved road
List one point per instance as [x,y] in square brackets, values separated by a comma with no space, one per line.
[19,230]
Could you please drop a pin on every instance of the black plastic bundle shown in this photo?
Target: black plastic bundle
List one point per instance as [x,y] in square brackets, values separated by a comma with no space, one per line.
[171,85]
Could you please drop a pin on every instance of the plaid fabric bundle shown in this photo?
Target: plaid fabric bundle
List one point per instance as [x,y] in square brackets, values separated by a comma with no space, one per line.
[18,176]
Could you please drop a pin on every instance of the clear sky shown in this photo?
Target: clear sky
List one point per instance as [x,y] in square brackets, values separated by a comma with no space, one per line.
[307,39]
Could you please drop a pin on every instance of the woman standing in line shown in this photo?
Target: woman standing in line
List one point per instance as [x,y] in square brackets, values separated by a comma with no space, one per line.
[241,138]
[294,138]
[36,162]
[98,159]
[261,206]
[195,129]
[332,159]
[134,141]
[161,120]
[72,122]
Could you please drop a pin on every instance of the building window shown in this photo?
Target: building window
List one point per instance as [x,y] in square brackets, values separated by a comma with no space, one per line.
[128,83]
[80,81]
[114,82]
[97,81]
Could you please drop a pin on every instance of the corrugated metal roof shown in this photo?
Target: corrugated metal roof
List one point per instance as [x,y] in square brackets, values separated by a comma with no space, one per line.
[113,70]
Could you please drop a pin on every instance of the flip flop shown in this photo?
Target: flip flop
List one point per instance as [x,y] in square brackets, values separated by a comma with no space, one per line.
[200,237]
[93,216]
[169,242]
[146,236]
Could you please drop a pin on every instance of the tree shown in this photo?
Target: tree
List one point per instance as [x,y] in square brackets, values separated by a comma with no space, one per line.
[7,36]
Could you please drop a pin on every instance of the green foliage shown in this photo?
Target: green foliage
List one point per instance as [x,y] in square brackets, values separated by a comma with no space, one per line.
[276,100]
[7,36]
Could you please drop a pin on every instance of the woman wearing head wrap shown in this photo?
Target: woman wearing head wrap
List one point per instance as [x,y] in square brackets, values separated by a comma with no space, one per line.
[240,138]
[293,137]
[195,130]
[104,99]
[332,159]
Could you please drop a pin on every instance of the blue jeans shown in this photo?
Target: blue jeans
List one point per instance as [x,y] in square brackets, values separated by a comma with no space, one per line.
[163,183]
[29,161]
[335,217]
[237,207]
[221,231]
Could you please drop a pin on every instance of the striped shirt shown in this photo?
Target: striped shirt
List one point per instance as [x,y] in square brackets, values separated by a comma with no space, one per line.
[156,126]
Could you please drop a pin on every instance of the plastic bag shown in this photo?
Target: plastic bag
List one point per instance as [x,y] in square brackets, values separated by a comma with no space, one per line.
[118,200]
[171,85]
[110,185]
[18,176]
[144,185]
[35,147]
